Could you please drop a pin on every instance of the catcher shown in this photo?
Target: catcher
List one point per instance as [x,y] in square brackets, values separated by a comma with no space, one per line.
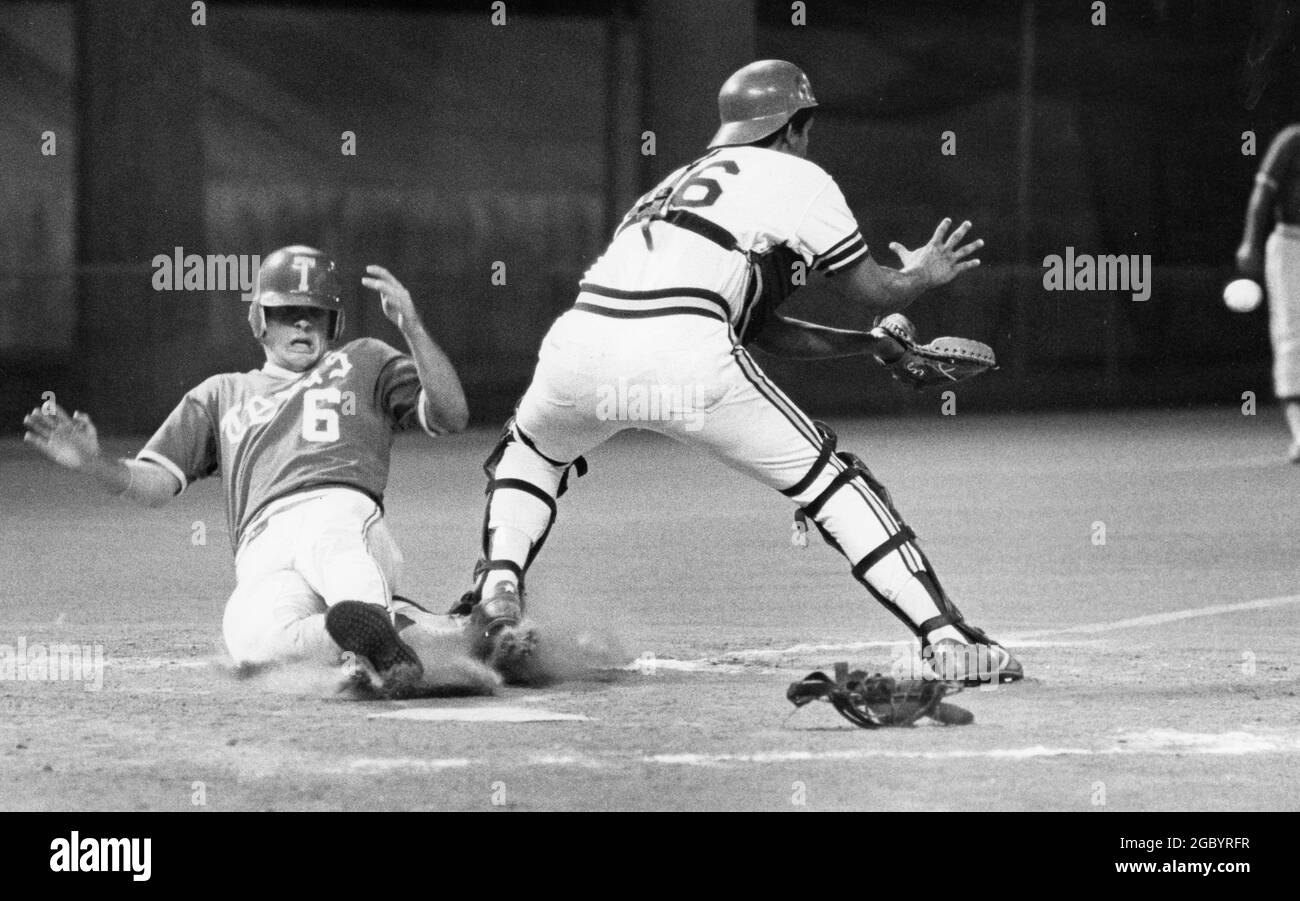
[695,272]
[302,447]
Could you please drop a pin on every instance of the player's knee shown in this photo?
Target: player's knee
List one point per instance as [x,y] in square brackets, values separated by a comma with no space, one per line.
[277,619]
[519,461]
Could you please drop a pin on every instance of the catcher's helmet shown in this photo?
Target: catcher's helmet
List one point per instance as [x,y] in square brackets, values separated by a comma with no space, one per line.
[759,99]
[297,276]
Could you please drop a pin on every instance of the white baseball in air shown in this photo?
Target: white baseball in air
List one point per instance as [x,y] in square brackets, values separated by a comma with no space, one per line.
[1242,295]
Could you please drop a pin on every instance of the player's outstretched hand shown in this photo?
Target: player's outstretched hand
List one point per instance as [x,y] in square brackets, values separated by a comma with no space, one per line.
[395,299]
[943,258]
[70,441]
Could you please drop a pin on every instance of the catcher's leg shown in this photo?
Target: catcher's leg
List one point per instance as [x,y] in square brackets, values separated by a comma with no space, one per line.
[760,431]
[855,514]
[1291,407]
[1282,278]
[522,488]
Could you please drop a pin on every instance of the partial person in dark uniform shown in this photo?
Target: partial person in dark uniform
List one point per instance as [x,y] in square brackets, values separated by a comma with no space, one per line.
[1276,201]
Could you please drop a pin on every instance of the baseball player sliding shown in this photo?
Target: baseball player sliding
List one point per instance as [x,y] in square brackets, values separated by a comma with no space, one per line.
[302,446]
[695,272]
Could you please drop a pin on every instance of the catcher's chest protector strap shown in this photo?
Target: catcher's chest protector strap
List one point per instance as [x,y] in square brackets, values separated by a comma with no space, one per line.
[653,210]
[703,227]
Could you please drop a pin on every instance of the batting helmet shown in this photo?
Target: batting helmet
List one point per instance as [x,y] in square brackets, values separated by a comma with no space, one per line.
[297,276]
[759,99]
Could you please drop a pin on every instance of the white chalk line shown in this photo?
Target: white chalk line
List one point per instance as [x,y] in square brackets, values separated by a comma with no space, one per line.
[408,764]
[1149,742]
[1152,742]
[733,661]
[1157,619]
[741,661]
[491,714]
[154,663]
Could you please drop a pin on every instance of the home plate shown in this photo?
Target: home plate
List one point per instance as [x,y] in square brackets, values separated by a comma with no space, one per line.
[479,715]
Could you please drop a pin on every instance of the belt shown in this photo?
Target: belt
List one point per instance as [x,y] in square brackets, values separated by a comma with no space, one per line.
[262,518]
[620,304]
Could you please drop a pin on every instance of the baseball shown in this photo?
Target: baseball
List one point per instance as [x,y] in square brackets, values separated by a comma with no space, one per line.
[1242,295]
[897,322]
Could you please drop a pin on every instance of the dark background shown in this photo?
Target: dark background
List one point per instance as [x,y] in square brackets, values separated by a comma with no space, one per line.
[522,144]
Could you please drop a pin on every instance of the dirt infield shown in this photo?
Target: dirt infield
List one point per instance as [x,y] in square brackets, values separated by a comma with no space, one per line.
[1118,555]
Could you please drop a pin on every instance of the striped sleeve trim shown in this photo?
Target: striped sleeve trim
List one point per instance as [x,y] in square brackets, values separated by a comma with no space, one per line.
[842,254]
[149,456]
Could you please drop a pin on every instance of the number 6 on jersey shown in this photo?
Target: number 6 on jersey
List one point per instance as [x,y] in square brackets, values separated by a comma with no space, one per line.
[320,423]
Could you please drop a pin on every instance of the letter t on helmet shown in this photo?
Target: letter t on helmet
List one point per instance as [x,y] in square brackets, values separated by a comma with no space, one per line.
[297,276]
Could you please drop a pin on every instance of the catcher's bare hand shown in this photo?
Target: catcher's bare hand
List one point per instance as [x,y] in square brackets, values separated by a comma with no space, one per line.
[70,441]
[943,258]
[393,296]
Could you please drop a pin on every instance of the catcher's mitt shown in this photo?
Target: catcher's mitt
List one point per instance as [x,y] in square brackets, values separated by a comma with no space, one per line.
[873,701]
[941,362]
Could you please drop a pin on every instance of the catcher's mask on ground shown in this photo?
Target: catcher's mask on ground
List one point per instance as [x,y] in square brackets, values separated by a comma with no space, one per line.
[759,99]
[297,276]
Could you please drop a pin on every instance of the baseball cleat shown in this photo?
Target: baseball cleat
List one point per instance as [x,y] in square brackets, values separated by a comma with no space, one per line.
[1293,454]
[972,664]
[465,606]
[365,631]
[499,637]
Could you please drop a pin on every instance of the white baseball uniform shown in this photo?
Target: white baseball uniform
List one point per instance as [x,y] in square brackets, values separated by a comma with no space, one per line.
[304,459]
[656,341]
[655,338]
[1282,276]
